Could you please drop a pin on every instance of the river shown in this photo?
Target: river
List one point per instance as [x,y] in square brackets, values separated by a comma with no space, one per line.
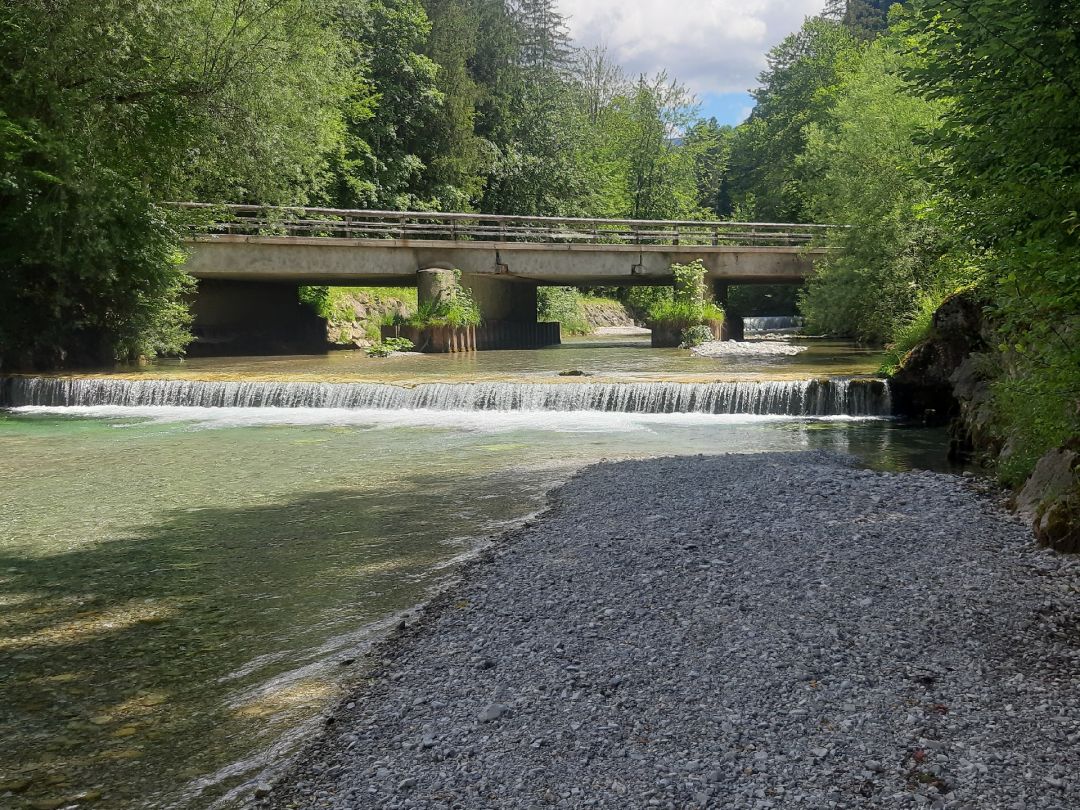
[186,590]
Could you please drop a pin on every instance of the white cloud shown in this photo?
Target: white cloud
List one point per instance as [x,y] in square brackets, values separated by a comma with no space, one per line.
[713,46]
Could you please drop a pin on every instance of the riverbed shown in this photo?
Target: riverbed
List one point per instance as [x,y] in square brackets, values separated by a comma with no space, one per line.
[186,591]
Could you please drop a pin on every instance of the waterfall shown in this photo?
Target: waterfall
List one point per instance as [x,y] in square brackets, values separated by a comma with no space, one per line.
[772,323]
[826,397]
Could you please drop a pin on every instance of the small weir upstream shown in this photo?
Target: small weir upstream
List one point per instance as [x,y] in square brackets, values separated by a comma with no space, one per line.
[796,398]
[195,556]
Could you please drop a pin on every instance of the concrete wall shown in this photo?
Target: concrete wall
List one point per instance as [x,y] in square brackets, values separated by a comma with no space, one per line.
[502,298]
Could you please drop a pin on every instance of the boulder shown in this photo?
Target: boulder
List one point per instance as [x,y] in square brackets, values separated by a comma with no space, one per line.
[1051,499]
[923,387]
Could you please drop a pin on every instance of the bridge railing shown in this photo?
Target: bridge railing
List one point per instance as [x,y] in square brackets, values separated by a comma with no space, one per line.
[254,220]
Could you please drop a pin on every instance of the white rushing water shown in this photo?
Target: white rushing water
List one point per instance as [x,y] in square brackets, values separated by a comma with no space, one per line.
[772,323]
[792,398]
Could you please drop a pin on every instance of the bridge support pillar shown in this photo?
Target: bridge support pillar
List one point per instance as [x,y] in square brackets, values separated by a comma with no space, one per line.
[507,307]
[733,322]
[253,318]
[502,299]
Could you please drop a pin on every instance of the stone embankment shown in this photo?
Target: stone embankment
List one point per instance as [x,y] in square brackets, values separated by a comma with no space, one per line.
[760,631]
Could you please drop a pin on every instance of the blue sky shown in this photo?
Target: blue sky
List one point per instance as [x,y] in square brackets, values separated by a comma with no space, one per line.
[715,47]
[726,108]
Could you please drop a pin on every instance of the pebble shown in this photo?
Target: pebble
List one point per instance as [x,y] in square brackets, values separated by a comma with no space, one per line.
[743,631]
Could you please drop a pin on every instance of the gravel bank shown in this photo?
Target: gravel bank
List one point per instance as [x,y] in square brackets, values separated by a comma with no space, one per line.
[766,631]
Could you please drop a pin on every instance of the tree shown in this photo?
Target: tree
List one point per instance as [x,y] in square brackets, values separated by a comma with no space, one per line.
[865,19]
[867,167]
[766,180]
[1008,174]
[392,109]
[710,145]
[454,173]
[108,108]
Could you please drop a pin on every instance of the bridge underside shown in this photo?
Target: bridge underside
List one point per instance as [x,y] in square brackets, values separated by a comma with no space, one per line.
[247,301]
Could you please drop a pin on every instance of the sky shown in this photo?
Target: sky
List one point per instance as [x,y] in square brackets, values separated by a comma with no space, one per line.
[715,47]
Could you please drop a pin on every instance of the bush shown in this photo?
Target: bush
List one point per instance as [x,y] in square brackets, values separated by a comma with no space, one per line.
[912,330]
[688,305]
[389,346]
[459,310]
[687,313]
[695,335]
[641,300]
[563,304]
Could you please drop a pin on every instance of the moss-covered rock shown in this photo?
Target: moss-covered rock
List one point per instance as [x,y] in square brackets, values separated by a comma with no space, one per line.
[1051,498]
[923,385]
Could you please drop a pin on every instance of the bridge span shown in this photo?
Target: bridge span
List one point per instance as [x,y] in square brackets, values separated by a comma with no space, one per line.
[250,259]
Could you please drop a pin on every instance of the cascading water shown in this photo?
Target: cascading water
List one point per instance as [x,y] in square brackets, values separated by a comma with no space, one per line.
[827,397]
[772,323]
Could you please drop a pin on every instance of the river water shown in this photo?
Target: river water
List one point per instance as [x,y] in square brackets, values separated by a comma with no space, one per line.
[184,591]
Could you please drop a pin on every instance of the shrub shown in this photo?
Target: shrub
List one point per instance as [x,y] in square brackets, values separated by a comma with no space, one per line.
[695,335]
[457,310]
[689,305]
[389,346]
[687,313]
[563,304]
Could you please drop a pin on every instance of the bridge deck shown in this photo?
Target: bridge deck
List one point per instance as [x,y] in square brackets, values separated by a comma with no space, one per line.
[332,246]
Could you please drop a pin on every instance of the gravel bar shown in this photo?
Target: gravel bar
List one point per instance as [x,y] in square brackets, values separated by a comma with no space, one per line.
[754,631]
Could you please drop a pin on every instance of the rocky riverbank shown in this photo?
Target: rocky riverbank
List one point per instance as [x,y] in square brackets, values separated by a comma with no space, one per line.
[760,631]
[950,378]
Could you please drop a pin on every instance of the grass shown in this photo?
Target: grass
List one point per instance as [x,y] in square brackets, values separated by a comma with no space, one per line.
[674,312]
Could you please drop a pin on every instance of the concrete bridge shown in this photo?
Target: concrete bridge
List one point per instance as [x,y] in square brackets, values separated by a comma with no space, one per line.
[250,259]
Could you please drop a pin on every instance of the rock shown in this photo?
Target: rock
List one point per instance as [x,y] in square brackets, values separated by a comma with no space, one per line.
[1050,499]
[493,711]
[758,681]
[922,387]
[263,789]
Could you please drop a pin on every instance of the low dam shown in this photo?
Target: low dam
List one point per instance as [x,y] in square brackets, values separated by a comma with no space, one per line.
[798,398]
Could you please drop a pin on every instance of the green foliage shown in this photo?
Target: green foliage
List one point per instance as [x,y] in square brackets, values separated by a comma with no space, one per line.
[708,147]
[912,329]
[684,313]
[456,307]
[695,335]
[641,300]
[690,303]
[563,304]
[1008,171]
[868,166]
[109,108]
[389,346]
[392,106]
[766,179]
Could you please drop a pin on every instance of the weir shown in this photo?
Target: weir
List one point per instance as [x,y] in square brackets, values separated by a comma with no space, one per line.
[797,398]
